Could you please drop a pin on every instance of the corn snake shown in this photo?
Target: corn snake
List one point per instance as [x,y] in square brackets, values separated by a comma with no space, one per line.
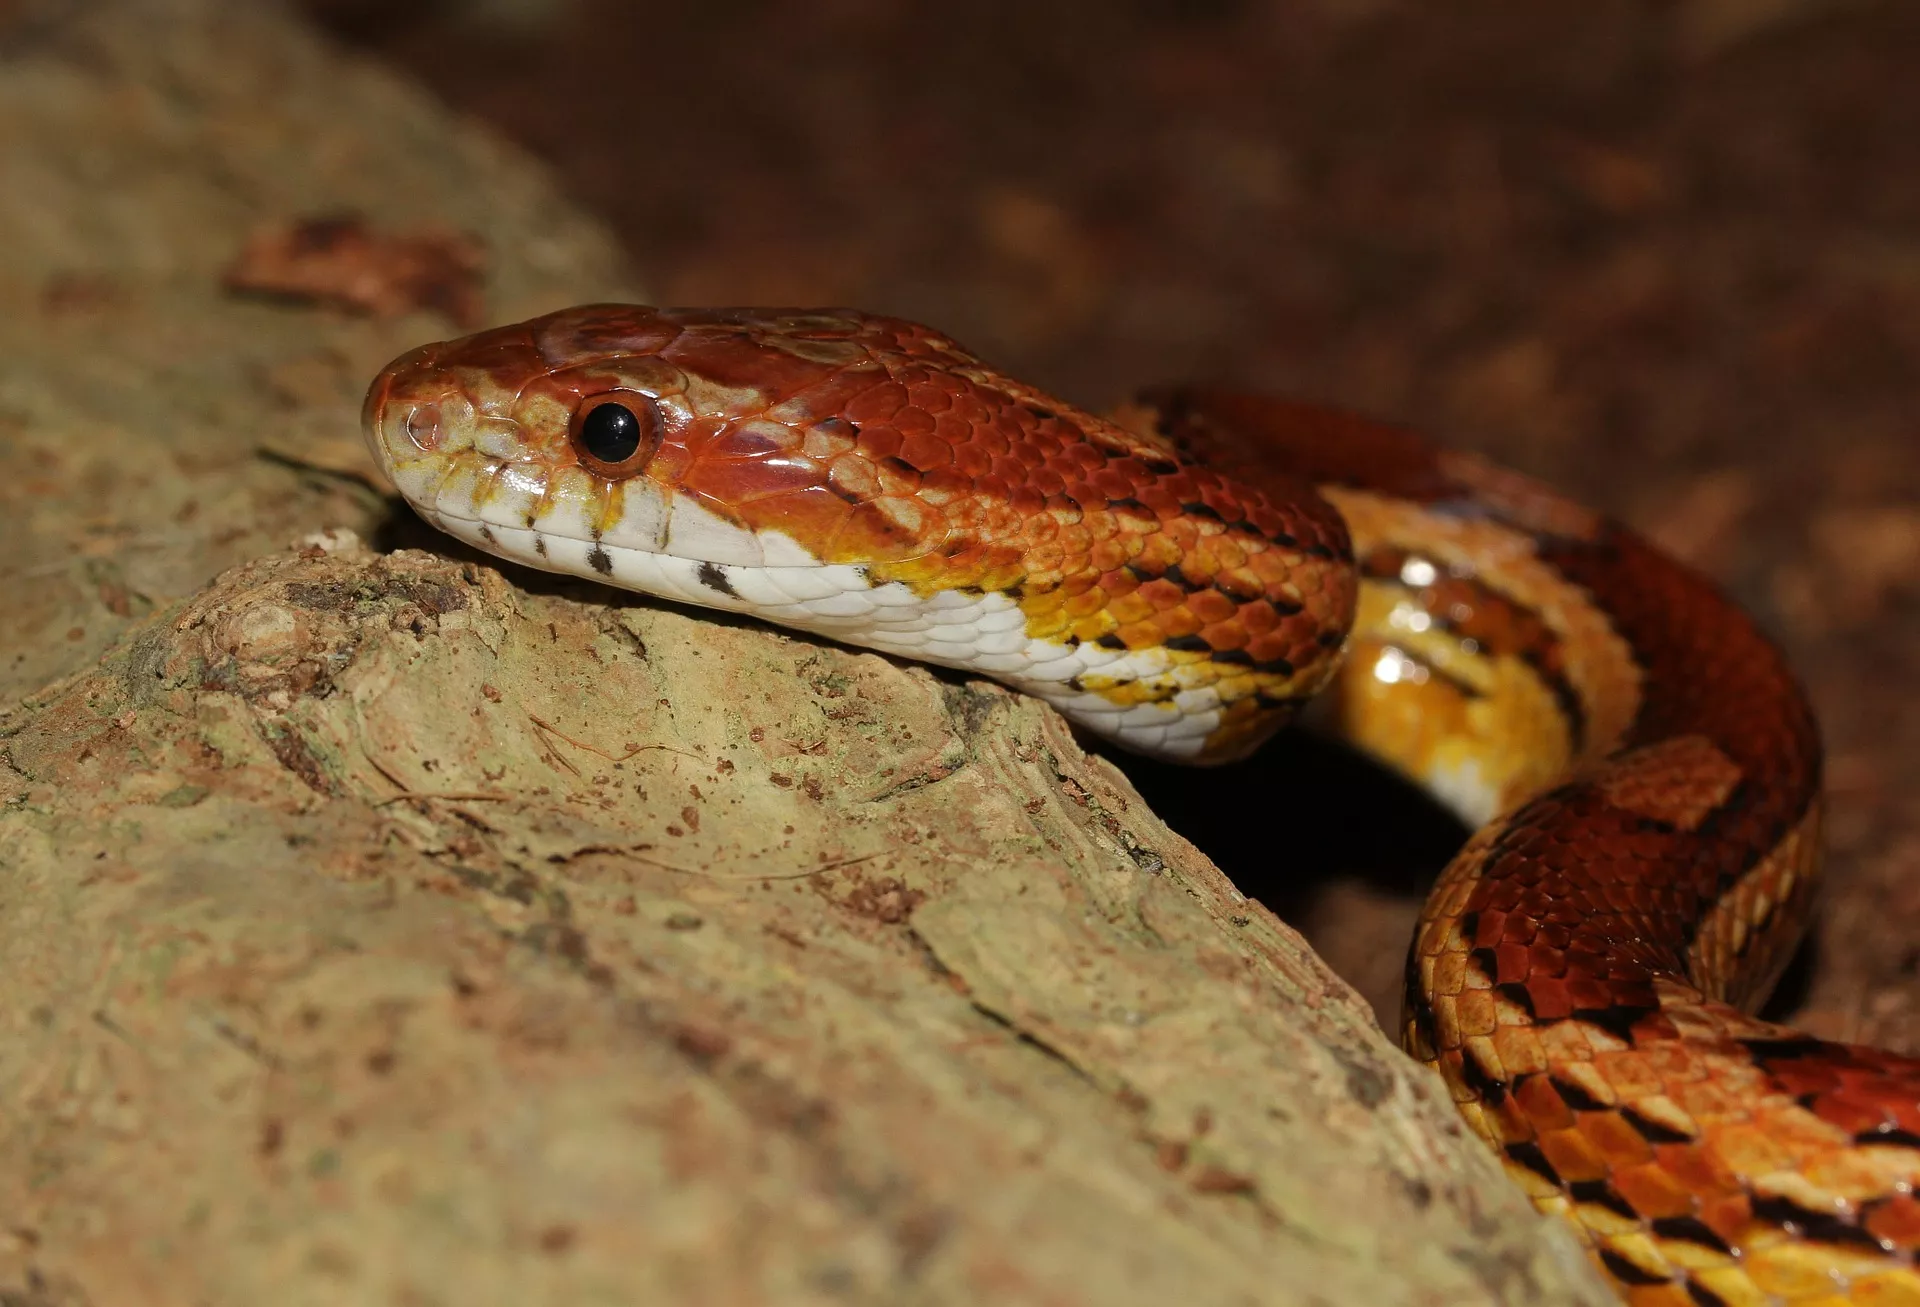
[1641,765]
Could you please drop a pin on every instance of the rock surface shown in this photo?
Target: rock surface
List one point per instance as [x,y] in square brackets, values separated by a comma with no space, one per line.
[383,928]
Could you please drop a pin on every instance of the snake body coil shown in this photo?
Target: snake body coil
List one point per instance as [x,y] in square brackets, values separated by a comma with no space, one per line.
[1642,768]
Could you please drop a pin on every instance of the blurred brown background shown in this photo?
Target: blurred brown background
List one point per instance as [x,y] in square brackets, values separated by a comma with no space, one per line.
[1666,255]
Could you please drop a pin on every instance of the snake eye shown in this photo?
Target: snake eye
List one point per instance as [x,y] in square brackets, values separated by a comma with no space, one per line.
[615,434]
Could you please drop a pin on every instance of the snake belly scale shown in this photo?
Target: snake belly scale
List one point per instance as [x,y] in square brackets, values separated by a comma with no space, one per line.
[1641,767]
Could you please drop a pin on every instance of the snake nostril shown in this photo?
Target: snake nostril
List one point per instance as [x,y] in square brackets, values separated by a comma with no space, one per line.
[422,425]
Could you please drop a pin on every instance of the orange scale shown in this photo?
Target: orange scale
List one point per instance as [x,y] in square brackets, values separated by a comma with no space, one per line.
[1011,468]
[1130,609]
[1301,522]
[1549,997]
[812,517]
[1233,557]
[1512,961]
[1510,1122]
[1084,458]
[1183,485]
[1749,1148]
[1076,538]
[944,485]
[1240,583]
[879,440]
[737,480]
[738,440]
[1541,1105]
[925,452]
[1194,572]
[1157,553]
[1000,522]
[1589,992]
[1140,634]
[1849,1113]
[1317,616]
[1163,594]
[854,476]
[1572,1155]
[911,421]
[1280,564]
[1720,1203]
[991,488]
[897,479]
[1268,648]
[1201,559]
[955,431]
[1162,503]
[691,442]
[1089,629]
[829,397]
[1112,555]
[1047,482]
[876,404]
[973,459]
[1085,604]
[1652,1190]
[1223,635]
[1029,506]
[1179,622]
[1665,1294]
[997,438]
[1042,597]
[1211,607]
[1809,1076]
[966,511]
[888,530]
[1041,528]
[1221,500]
[1260,619]
[931,396]
[829,441]
[1001,570]
[1051,459]
[1896,1218]
[1052,626]
[719,358]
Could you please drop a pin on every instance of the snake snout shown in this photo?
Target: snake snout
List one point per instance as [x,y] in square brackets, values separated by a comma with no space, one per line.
[412,409]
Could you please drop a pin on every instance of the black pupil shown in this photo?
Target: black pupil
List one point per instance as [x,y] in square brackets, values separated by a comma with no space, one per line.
[611,433]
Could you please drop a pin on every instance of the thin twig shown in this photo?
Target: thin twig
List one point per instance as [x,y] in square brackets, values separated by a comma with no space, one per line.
[632,749]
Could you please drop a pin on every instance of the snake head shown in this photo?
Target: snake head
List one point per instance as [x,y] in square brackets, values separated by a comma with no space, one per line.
[869,479]
[584,439]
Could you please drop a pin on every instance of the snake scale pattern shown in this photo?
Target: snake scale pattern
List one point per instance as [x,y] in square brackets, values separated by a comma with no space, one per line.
[1641,767]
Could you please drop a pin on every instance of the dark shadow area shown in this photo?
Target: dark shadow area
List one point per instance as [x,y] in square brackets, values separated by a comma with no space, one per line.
[1302,811]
